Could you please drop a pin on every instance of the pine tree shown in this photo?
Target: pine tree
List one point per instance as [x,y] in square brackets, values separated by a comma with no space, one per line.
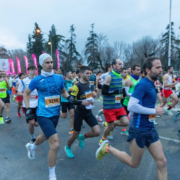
[72,56]
[29,47]
[37,43]
[56,44]
[92,49]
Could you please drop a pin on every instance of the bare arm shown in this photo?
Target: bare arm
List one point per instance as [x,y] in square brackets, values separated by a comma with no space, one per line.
[64,93]
[26,97]
[108,80]
[128,84]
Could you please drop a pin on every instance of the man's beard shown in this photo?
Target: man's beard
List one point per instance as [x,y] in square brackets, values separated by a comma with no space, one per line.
[154,77]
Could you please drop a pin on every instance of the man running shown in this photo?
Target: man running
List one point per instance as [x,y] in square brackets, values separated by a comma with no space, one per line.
[77,78]
[142,132]
[2,74]
[103,77]
[33,100]
[50,87]
[19,99]
[114,112]
[167,92]
[66,105]
[4,87]
[82,92]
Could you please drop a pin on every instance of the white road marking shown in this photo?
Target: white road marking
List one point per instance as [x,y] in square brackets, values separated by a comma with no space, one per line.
[169,139]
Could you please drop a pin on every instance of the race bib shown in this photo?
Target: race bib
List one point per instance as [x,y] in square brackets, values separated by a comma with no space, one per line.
[2,90]
[152,118]
[52,101]
[33,97]
[88,94]
[91,83]
[117,98]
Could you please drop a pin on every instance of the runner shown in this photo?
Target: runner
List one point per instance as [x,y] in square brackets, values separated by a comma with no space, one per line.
[50,87]
[2,74]
[19,99]
[167,92]
[33,100]
[142,132]
[77,78]
[99,85]
[81,91]
[73,74]
[4,87]
[128,72]
[65,103]
[114,113]
[103,77]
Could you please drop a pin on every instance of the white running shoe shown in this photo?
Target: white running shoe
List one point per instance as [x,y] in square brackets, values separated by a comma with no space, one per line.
[31,153]
[169,112]
[52,178]
[99,118]
[155,123]
[110,135]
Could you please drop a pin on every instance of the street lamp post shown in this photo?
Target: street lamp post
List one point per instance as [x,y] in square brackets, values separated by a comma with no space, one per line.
[169,48]
[50,43]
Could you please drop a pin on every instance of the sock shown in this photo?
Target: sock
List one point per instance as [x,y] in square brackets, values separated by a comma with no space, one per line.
[7,117]
[52,172]
[32,136]
[103,138]
[33,147]
[123,129]
[85,135]
[169,108]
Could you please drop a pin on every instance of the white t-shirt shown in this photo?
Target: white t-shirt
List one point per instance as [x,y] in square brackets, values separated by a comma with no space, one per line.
[103,77]
[33,99]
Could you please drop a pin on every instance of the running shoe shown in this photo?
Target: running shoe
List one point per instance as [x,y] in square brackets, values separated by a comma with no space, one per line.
[1,120]
[52,178]
[32,141]
[102,150]
[178,132]
[71,131]
[125,133]
[31,153]
[19,114]
[100,142]
[99,118]
[7,120]
[14,98]
[81,141]
[155,123]
[68,152]
[110,135]
[169,112]
[104,124]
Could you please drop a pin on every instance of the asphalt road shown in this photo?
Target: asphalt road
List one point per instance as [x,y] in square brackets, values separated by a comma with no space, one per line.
[14,164]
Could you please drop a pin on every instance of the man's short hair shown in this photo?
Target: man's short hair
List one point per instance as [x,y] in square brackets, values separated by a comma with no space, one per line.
[67,72]
[123,69]
[83,69]
[31,67]
[148,63]
[20,74]
[77,72]
[114,61]
[169,67]
[134,67]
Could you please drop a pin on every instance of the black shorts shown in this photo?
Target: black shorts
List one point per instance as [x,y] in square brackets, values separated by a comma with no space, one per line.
[144,137]
[34,112]
[66,105]
[83,114]
[99,86]
[125,107]
[6,99]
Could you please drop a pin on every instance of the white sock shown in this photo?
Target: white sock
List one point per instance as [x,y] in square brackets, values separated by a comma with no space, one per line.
[33,147]
[32,136]
[52,172]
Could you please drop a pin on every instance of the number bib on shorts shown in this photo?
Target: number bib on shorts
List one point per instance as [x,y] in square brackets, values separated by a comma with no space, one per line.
[88,94]
[52,101]
[152,118]
[117,98]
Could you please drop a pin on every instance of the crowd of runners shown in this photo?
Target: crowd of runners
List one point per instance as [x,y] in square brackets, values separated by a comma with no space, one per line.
[128,98]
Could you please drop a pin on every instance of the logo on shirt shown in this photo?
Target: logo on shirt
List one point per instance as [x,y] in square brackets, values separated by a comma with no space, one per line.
[42,80]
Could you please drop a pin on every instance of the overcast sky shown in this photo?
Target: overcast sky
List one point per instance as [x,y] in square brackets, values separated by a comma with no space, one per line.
[120,20]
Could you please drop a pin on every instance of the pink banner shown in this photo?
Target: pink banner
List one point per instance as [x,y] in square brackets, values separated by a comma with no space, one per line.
[35,62]
[43,52]
[18,65]
[26,63]
[58,60]
[11,62]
